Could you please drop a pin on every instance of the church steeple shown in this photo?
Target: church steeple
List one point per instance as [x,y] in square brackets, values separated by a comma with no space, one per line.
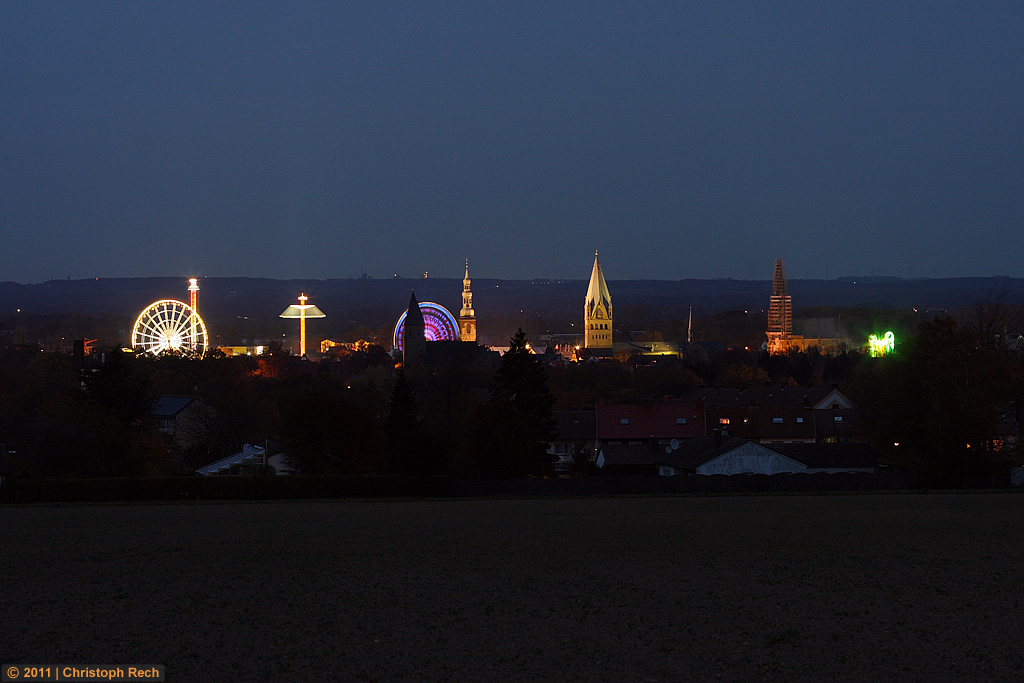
[467,316]
[780,312]
[414,341]
[597,311]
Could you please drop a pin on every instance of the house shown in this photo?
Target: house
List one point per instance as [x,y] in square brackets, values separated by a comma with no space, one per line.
[182,422]
[174,413]
[248,460]
[575,436]
[652,422]
[705,455]
[831,458]
[727,455]
[775,414]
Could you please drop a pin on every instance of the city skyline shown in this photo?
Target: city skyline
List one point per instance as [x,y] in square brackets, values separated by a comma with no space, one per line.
[326,141]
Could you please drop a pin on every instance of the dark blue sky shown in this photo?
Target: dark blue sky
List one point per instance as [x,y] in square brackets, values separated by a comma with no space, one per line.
[682,139]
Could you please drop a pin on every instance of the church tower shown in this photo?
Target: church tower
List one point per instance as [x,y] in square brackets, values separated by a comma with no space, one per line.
[597,311]
[467,317]
[414,340]
[780,312]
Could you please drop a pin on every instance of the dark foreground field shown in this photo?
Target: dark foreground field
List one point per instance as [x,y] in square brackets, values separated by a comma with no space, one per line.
[857,587]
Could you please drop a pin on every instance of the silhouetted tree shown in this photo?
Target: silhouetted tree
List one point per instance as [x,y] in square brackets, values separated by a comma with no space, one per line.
[123,385]
[324,432]
[742,376]
[992,319]
[934,407]
[409,449]
[516,423]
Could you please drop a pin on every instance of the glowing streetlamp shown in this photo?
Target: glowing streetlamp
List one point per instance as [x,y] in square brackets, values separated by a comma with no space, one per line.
[302,310]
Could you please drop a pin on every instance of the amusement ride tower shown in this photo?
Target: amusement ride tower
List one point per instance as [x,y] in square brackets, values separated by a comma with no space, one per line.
[302,310]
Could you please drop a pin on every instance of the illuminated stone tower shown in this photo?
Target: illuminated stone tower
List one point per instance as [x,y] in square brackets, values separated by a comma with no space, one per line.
[467,316]
[780,312]
[597,311]
[414,340]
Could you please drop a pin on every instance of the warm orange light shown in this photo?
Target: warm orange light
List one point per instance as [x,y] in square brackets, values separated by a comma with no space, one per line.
[302,311]
[193,302]
[302,324]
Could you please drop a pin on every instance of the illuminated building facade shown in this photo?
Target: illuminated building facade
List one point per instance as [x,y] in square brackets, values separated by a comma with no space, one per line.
[597,311]
[780,313]
[467,316]
[785,334]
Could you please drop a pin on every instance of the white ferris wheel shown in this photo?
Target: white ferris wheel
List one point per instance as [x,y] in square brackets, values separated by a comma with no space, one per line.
[170,325]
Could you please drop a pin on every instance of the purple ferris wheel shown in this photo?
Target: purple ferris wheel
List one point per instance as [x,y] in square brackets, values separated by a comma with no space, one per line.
[439,325]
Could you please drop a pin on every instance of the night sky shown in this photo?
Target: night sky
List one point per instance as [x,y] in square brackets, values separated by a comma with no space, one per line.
[681,139]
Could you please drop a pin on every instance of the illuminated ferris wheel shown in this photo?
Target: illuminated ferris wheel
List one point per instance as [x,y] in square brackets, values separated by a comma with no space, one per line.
[171,325]
[438,325]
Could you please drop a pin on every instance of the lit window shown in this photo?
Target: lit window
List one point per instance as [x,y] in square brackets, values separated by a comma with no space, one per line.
[680,420]
[723,420]
[623,420]
[777,420]
[838,418]
[799,420]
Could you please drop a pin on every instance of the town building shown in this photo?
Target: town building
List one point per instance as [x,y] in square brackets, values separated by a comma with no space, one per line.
[414,340]
[573,444]
[467,316]
[780,312]
[728,455]
[654,423]
[775,414]
[597,311]
[267,458]
[786,334]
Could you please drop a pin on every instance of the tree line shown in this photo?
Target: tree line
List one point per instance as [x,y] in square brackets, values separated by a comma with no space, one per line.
[945,406]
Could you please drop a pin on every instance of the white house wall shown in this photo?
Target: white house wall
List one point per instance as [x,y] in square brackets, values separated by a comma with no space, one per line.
[750,458]
[834,396]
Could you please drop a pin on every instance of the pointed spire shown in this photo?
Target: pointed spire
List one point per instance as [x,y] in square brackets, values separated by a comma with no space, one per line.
[597,310]
[467,316]
[414,317]
[779,282]
[414,341]
[780,312]
[597,293]
[467,296]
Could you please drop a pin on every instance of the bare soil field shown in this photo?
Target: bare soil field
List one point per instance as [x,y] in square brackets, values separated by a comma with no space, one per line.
[909,587]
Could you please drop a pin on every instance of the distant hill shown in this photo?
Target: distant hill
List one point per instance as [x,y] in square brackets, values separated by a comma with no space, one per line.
[378,302]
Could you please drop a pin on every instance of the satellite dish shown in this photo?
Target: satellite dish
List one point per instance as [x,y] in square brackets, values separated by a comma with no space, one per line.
[668,449]
[674,443]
